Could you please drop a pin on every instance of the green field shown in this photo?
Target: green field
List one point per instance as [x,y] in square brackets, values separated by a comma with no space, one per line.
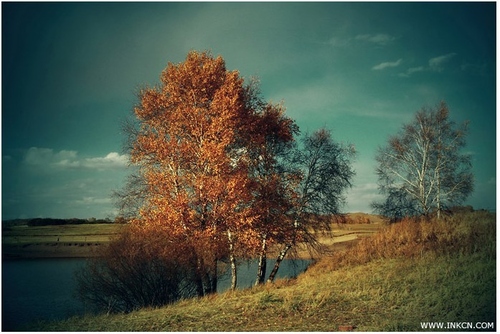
[395,280]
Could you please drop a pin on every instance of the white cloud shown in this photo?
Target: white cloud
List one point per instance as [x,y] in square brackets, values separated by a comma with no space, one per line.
[376,39]
[360,197]
[379,39]
[44,156]
[111,160]
[90,200]
[65,159]
[336,41]
[385,65]
[437,62]
[412,70]
[7,158]
[480,68]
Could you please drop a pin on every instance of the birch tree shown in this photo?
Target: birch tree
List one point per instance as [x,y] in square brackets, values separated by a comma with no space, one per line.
[424,165]
[184,150]
[275,186]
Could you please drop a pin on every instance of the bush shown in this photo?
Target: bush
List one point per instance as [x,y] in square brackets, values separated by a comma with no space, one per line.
[138,269]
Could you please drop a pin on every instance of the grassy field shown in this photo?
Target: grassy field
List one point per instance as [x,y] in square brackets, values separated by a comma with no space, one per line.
[60,233]
[70,240]
[406,274]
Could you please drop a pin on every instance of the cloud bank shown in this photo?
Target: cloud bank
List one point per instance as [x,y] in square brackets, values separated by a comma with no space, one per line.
[436,63]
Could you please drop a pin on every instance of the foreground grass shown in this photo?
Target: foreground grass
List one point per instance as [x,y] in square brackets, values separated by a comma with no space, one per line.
[393,281]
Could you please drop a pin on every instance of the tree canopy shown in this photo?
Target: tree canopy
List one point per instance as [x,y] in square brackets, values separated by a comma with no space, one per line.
[218,165]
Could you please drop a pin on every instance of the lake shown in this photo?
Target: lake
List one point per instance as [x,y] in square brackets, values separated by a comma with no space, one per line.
[44,289]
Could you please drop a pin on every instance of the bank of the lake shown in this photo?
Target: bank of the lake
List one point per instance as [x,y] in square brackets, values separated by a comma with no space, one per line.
[56,241]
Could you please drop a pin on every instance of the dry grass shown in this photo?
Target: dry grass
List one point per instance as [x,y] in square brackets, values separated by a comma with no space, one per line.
[462,233]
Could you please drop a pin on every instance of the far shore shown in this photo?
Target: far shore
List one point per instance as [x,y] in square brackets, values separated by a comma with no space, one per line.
[85,240]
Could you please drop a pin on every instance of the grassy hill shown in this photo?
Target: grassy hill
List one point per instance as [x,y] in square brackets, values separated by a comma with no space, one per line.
[406,274]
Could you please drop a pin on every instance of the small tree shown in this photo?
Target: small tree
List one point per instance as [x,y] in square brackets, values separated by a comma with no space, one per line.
[325,172]
[422,169]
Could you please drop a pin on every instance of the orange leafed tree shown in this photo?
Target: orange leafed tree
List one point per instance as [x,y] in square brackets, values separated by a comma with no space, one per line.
[195,145]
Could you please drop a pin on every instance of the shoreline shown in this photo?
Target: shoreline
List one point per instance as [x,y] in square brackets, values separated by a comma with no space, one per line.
[54,250]
[88,250]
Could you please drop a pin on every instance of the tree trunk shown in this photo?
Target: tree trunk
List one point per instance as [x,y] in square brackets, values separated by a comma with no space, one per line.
[207,284]
[199,272]
[199,285]
[262,267]
[280,258]
[213,288]
[438,195]
[232,260]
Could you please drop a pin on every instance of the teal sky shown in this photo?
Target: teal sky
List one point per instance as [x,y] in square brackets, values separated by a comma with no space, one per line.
[70,72]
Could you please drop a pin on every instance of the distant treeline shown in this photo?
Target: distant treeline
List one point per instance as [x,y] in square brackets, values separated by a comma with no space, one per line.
[54,221]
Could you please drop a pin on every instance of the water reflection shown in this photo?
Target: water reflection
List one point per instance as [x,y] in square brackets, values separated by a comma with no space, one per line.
[247,272]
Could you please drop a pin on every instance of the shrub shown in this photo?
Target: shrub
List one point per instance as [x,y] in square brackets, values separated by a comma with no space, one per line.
[138,269]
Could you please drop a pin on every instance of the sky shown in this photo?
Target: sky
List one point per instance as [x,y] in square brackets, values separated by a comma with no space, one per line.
[71,71]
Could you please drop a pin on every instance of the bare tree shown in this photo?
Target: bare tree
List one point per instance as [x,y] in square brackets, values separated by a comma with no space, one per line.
[423,165]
